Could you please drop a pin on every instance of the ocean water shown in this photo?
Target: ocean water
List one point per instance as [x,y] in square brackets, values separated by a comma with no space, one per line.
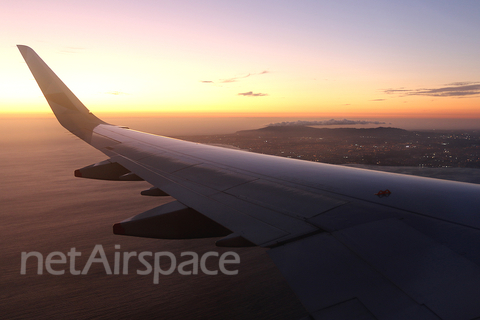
[44,208]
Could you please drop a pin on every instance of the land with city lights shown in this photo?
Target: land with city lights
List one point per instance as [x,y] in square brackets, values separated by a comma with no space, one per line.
[383,146]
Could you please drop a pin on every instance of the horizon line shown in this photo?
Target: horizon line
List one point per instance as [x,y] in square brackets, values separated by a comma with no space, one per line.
[49,114]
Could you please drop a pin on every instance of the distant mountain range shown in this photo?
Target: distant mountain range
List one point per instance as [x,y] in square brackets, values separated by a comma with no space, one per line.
[305,131]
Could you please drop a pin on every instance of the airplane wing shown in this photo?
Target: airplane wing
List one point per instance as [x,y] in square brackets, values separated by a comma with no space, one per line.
[352,243]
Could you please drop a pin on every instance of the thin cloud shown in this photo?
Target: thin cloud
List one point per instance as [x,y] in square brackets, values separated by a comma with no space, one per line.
[331,122]
[116,93]
[235,79]
[251,94]
[455,89]
[70,50]
[460,83]
[378,100]
[394,91]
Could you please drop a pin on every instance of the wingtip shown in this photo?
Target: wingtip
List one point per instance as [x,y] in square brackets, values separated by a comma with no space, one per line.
[68,109]
[24,50]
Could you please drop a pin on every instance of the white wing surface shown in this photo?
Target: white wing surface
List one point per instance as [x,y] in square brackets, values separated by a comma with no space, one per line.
[352,243]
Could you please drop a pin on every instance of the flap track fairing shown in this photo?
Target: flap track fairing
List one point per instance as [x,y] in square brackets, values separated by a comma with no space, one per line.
[171,221]
[107,170]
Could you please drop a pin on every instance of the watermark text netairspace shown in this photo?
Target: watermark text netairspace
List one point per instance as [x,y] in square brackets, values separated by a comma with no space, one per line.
[164,262]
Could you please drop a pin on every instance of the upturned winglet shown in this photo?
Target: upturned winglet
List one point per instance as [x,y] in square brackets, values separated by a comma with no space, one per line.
[69,110]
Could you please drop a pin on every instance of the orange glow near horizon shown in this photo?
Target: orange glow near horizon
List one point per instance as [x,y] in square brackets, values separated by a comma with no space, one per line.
[245,106]
[275,98]
[299,115]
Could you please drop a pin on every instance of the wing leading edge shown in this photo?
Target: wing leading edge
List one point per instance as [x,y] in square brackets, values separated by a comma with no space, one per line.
[347,252]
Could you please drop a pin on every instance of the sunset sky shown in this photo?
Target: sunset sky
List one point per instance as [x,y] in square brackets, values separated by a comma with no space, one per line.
[371,59]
